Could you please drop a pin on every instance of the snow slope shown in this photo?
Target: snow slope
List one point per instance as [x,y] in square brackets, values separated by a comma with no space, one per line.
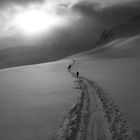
[116,68]
[34,100]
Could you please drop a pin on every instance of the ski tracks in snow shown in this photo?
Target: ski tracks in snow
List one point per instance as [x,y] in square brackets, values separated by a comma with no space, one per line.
[94,117]
[97,127]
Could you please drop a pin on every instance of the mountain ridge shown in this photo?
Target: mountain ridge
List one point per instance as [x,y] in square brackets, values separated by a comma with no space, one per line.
[19,56]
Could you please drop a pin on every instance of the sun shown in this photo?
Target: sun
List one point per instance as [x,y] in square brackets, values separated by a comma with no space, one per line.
[36,21]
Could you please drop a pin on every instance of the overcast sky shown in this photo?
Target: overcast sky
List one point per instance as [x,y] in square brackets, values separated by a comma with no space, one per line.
[94,16]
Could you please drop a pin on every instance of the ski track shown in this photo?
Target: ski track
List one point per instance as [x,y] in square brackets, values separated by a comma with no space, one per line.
[93,121]
[97,128]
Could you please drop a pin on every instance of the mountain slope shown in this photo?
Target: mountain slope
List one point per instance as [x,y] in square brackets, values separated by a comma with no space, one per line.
[115,66]
[33,101]
[18,56]
[127,29]
[57,45]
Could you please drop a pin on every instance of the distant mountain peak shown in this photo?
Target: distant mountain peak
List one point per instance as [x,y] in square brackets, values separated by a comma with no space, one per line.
[105,35]
[127,29]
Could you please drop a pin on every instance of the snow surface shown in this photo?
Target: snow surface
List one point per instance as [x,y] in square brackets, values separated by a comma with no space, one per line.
[95,115]
[116,68]
[34,100]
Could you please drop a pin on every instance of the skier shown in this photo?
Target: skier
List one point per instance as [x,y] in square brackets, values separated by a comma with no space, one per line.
[69,67]
[77,74]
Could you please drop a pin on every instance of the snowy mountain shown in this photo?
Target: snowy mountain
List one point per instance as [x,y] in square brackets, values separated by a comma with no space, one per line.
[18,56]
[34,99]
[127,29]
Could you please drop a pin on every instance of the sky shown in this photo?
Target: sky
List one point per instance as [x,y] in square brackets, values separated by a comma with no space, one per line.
[74,20]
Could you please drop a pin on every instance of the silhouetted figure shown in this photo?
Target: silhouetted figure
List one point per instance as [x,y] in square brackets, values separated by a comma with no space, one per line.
[77,74]
[69,67]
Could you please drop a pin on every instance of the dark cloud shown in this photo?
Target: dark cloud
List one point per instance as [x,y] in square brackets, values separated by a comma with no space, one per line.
[120,13]
[113,14]
[86,9]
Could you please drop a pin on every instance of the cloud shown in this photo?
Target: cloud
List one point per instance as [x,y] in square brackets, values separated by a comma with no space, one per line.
[85,9]
[21,2]
[100,3]
[94,15]
[104,3]
[114,12]
[120,13]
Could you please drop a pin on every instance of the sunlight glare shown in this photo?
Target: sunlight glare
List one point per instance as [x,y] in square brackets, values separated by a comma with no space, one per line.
[36,21]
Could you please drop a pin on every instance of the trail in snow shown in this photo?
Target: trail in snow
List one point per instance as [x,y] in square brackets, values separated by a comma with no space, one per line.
[98,128]
[94,117]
